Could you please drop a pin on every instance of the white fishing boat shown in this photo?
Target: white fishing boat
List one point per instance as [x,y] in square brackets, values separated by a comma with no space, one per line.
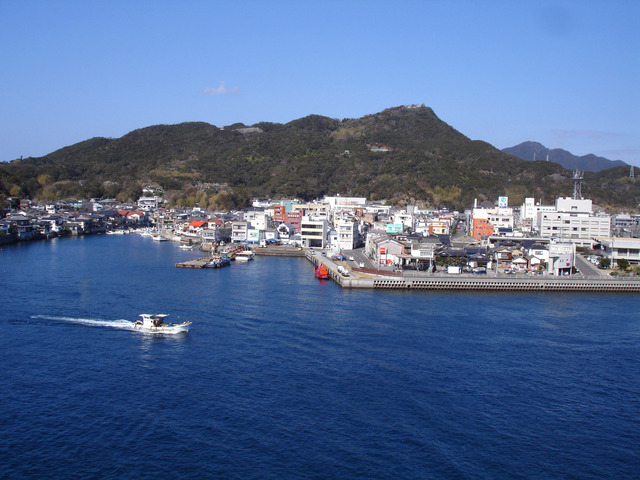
[155,323]
[244,256]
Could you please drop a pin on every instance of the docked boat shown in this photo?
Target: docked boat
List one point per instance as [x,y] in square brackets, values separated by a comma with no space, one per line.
[244,256]
[218,262]
[322,272]
[155,323]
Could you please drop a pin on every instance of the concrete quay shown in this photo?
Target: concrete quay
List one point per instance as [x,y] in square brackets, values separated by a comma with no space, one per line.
[427,281]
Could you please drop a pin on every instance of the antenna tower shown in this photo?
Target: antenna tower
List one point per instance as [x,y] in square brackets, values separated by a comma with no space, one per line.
[577,184]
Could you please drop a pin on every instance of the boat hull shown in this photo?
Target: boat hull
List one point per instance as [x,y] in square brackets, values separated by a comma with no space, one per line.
[322,273]
[166,329]
[154,323]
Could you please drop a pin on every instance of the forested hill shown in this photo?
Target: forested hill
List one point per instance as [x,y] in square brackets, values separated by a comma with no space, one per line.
[403,155]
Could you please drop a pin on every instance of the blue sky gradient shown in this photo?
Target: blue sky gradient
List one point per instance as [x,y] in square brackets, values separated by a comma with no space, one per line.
[564,73]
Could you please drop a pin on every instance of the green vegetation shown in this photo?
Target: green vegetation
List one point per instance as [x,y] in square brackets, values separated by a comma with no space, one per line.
[429,163]
[623,264]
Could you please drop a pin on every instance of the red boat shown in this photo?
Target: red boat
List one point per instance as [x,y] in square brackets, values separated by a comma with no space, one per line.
[322,272]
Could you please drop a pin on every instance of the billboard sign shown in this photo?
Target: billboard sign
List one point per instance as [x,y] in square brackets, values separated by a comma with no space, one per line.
[503,201]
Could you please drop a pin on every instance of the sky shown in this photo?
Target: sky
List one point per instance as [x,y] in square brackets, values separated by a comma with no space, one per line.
[562,73]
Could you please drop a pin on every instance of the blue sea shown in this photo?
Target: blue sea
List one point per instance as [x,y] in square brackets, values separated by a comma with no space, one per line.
[286,376]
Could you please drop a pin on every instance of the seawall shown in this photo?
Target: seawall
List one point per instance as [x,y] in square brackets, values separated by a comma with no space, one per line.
[446,282]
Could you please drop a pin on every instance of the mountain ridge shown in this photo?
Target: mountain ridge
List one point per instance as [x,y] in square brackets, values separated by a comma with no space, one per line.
[536,151]
[424,161]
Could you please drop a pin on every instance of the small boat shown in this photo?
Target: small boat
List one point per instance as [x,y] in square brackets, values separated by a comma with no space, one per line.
[218,262]
[244,256]
[154,323]
[322,272]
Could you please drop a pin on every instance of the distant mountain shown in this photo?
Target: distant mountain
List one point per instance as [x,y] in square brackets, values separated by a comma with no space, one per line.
[537,151]
[404,155]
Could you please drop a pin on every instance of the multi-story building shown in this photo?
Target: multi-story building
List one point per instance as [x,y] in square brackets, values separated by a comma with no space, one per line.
[489,221]
[258,219]
[616,248]
[313,232]
[348,234]
[529,213]
[294,219]
[239,231]
[279,212]
[573,221]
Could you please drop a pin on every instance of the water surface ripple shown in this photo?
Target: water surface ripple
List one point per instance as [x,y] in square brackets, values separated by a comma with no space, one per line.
[285,376]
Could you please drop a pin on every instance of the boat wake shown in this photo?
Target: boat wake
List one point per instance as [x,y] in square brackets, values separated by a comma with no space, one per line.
[91,322]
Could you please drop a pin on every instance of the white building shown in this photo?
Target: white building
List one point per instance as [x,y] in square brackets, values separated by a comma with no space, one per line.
[348,235]
[313,232]
[403,218]
[573,221]
[239,231]
[529,212]
[258,219]
[562,258]
[344,203]
[616,248]
[149,202]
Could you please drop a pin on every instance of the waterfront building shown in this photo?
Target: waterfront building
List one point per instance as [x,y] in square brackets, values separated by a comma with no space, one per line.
[387,251]
[285,231]
[56,222]
[616,248]
[313,231]
[561,258]
[254,235]
[22,226]
[239,231]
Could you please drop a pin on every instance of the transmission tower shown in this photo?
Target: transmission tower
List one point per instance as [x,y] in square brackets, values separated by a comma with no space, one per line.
[577,184]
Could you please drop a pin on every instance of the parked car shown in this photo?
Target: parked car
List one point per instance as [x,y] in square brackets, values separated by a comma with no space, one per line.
[479,270]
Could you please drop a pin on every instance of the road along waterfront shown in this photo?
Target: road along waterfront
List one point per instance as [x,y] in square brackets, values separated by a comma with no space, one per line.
[426,281]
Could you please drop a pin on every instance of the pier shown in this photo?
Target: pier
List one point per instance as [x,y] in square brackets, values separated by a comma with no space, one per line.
[426,281]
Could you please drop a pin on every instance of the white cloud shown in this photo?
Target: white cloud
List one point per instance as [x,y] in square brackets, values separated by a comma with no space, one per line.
[220,90]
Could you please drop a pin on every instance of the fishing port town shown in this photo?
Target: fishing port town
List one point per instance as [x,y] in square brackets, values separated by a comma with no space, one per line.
[568,246]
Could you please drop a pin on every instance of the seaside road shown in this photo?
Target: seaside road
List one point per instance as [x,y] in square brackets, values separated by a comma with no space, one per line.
[587,268]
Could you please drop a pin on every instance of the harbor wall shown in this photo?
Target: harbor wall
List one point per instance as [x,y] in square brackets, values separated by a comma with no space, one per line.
[433,282]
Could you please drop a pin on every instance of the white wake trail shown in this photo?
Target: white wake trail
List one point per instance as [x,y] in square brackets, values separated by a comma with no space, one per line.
[92,322]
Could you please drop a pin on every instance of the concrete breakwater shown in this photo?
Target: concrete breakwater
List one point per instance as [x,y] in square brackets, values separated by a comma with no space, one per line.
[450,282]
